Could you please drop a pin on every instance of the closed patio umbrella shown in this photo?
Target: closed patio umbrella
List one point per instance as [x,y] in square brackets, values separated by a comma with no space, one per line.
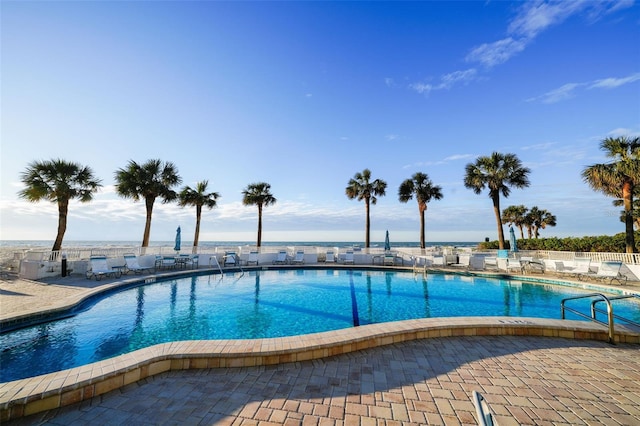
[178,240]
[387,244]
[512,239]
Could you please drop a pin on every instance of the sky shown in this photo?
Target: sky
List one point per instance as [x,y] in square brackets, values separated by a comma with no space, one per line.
[303,95]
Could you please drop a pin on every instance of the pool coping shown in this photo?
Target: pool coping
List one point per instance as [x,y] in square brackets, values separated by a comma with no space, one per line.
[28,396]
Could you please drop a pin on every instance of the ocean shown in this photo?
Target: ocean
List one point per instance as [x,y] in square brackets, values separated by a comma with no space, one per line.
[47,244]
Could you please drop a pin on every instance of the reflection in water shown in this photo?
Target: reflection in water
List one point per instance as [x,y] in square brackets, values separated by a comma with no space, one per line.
[425,291]
[387,279]
[254,321]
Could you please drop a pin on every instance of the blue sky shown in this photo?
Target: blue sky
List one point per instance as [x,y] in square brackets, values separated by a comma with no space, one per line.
[303,95]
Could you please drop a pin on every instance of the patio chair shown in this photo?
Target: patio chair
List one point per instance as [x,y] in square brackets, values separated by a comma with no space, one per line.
[348,257]
[131,264]
[299,257]
[389,259]
[166,262]
[98,267]
[610,270]
[514,265]
[230,258]
[330,257]
[253,258]
[476,263]
[579,269]
[281,258]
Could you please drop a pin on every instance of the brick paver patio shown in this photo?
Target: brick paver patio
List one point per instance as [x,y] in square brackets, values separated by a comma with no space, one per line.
[525,380]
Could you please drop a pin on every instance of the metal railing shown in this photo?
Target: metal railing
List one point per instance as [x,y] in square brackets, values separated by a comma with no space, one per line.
[600,298]
[595,310]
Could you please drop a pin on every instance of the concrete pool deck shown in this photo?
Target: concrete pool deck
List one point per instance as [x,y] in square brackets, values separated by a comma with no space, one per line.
[531,371]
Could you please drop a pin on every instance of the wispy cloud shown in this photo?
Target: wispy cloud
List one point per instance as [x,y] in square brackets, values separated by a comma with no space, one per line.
[533,18]
[568,91]
[612,83]
[447,81]
[449,159]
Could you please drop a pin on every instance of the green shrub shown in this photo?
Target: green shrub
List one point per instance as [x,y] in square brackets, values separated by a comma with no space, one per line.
[602,243]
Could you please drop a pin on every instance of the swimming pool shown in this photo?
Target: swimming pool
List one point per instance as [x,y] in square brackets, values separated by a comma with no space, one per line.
[272,303]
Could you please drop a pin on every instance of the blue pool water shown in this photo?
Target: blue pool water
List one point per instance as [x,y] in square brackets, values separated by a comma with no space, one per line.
[271,303]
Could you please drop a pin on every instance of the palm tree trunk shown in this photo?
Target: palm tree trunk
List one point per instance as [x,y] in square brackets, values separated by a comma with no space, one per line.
[521,232]
[422,225]
[147,225]
[259,225]
[63,208]
[627,196]
[196,237]
[367,225]
[496,211]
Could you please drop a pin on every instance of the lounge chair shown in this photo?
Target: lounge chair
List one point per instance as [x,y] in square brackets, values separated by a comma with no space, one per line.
[299,258]
[330,257]
[253,258]
[281,258]
[230,259]
[348,257]
[514,265]
[463,261]
[98,267]
[580,268]
[476,263]
[529,264]
[610,270]
[166,262]
[389,259]
[131,264]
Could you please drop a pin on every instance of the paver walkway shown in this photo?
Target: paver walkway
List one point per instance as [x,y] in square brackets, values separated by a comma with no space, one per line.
[525,380]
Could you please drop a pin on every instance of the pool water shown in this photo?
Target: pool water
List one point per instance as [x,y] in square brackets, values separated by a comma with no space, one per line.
[271,303]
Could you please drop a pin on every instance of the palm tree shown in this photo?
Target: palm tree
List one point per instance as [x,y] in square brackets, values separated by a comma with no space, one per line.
[258,194]
[618,178]
[515,215]
[497,173]
[58,181]
[198,197]
[148,181]
[361,188]
[421,186]
[635,210]
[538,219]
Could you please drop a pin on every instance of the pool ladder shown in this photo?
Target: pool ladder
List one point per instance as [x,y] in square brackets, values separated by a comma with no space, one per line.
[599,297]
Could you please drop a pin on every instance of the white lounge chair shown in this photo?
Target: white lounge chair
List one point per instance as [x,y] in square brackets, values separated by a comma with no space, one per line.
[230,259]
[281,259]
[476,263]
[253,258]
[299,258]
[608,270]
[330,257]
[514,265]
[580,267]
[348,257]
[166,262]
[131,264]
[463,261]
[98,267]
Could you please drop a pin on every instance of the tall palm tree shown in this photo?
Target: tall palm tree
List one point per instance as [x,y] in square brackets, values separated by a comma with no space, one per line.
[198,197]
[424,190]
[361,188]
[538,219]
[58,181]
[258,194]
[148,181]
[635,209]
[515,215]
[497,172]
[619,177]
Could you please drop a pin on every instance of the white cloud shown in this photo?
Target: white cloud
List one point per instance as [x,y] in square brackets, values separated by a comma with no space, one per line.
[568,91]
[447,81]
[496,53]
[533,18]
[612,82]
